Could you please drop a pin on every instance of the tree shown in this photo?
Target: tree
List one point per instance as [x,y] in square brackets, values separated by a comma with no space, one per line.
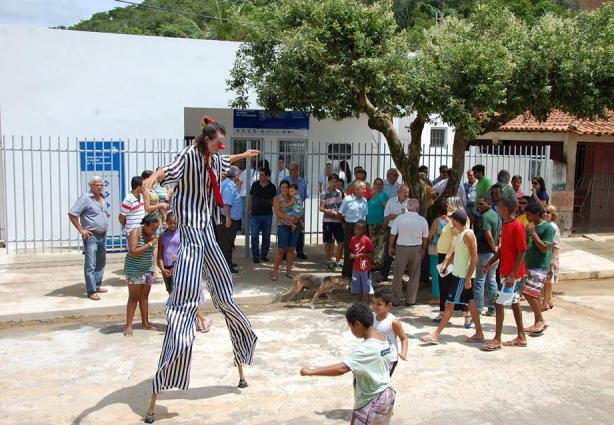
[492,67]
[333,59]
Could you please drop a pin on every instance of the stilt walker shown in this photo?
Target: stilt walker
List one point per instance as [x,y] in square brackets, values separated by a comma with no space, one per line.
[197,171]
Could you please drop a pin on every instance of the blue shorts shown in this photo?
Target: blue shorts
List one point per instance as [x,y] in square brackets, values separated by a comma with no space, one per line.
[333,229]
[286,238]
[361,282]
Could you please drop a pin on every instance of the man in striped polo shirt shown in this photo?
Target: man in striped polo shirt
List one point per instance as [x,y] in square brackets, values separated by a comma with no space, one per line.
[132,210]
[330,201]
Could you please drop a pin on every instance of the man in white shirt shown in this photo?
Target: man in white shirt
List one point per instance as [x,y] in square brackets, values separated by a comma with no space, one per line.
[441,187]
[410,232]
[391,185]
[394,207]
[283,171]
[323,181]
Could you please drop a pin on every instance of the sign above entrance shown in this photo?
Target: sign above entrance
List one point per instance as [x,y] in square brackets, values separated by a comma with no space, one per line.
[257,122]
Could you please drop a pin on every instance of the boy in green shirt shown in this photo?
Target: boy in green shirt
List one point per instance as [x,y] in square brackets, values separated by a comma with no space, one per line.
[374,394]
[540,235]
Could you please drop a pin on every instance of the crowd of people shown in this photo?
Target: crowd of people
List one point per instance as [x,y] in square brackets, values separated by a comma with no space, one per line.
[485,246]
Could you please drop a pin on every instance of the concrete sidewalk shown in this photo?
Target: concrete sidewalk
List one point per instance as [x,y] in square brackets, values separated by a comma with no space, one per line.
[48,286]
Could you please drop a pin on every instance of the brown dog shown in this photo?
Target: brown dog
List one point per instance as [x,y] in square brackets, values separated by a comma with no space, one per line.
[321,285]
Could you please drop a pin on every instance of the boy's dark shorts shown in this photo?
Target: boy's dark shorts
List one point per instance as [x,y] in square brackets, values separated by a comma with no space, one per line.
[333,229]
[458,294]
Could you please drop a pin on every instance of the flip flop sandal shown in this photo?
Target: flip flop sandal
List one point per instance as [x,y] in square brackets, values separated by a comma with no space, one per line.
[128,333]
[468,325]
[514,343]
[488,347]
[538,331]
[290,275]
[207,327]
[274,278]
[430,340]
[474,340]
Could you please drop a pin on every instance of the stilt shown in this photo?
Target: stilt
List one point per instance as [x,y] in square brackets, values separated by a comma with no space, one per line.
[149,417]
[242,381]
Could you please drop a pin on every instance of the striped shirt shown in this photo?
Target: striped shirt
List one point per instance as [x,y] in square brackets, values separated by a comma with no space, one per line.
[142,264]
[134,211]
[193,199]
[332,201]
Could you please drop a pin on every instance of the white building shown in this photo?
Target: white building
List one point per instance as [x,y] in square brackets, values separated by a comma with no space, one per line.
[61,87]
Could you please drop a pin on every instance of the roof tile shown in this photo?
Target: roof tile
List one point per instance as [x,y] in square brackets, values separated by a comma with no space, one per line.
[561,122]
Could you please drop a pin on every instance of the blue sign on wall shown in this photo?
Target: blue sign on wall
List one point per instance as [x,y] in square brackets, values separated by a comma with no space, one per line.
[256,121]
[106,159]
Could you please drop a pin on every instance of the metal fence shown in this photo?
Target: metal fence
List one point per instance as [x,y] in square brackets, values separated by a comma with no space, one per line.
[43,177]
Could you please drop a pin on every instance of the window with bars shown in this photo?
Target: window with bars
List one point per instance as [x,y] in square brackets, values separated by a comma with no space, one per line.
[438,137]
[339,151]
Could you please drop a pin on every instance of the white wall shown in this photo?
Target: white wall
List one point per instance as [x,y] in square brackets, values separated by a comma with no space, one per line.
[81,84]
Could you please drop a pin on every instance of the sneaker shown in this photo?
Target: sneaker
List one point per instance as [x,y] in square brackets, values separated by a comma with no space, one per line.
[302,256]
[330,266]
[242,384]
[234,270]
[338,264]
[256,260]
[490,313]
[264,259]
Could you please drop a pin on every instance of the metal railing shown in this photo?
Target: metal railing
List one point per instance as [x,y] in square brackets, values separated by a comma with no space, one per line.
[43,177]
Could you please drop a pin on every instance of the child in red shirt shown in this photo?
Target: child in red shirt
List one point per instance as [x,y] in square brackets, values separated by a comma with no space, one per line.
[512,269]
[362,251]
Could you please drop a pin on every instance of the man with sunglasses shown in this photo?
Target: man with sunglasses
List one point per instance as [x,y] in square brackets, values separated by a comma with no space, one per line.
[520,214]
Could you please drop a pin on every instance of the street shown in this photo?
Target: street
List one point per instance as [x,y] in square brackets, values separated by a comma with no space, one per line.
[84,371]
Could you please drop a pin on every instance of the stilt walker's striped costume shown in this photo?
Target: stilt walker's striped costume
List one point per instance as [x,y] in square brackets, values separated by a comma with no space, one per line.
[195,208]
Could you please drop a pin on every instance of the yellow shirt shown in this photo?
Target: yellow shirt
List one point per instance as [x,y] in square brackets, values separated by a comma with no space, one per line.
[523,219]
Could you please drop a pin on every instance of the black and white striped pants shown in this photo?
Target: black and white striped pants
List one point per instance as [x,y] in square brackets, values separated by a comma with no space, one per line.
[199,252]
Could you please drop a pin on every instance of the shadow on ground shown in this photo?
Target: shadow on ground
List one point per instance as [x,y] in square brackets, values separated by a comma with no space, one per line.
[118,329]
[142,393]
[343,414]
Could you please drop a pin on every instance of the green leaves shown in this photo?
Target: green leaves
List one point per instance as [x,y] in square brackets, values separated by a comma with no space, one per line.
[318,56]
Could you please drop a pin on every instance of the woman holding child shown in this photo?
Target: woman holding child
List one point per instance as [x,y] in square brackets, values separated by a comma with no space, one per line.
[287,230]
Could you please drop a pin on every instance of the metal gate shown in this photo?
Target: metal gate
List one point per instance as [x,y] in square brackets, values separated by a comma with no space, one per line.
[43,177]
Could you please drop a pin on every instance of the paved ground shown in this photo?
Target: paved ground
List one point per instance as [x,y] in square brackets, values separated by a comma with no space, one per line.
[84,371]
[80,369]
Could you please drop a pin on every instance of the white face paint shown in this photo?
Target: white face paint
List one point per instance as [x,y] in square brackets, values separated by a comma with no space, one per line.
[212,144]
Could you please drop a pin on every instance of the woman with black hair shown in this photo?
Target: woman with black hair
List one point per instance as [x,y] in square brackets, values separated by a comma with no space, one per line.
[139,270]
[197,171]
[538,191]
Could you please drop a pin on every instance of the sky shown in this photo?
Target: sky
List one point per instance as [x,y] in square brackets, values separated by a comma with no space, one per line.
[51,13]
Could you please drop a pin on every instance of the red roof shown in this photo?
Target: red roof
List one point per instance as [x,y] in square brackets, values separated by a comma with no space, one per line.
[561,122]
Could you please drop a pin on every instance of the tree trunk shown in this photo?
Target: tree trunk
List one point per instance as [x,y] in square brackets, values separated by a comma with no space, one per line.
[417,189]
[458,159]
[407,164]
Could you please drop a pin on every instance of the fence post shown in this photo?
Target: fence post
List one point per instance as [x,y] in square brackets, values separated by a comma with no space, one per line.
[548,170]
[248,182]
